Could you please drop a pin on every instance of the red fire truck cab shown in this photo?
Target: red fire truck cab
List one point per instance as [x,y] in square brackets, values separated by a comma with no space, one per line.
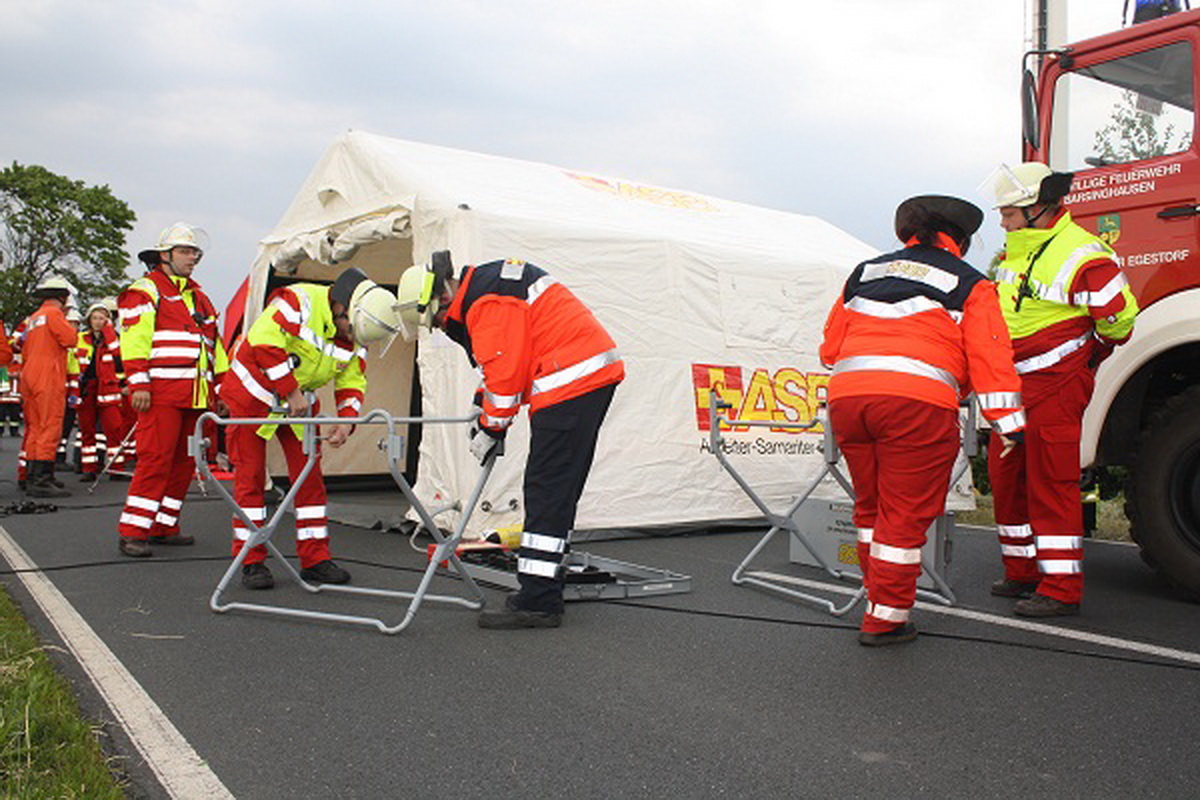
[1119,111]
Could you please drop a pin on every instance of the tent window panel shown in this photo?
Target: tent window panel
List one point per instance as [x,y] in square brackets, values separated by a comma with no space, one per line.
[785,314]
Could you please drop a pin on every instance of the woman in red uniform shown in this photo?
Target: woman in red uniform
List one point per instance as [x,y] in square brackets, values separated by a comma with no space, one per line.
[913,332]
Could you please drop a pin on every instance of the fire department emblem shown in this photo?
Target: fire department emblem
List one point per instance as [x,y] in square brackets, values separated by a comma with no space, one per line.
[1108,228]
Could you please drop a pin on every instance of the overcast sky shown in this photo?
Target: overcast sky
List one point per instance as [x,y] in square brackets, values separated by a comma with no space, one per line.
[214,111]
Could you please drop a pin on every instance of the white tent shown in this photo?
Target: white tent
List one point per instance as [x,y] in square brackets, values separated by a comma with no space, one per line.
[695,290]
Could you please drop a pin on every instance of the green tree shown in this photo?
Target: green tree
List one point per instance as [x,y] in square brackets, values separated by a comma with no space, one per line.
[52,225]
[1134,134]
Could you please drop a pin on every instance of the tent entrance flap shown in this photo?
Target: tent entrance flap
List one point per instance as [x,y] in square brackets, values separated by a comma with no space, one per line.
[260,534]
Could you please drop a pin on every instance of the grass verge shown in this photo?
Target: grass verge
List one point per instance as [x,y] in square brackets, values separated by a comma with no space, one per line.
[1111,524]
[47,749]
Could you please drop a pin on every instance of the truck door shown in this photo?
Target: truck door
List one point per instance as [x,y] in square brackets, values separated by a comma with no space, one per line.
[1122,118]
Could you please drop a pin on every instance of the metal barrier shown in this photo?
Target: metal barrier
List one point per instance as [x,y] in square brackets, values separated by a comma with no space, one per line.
[393,447]
[743,576]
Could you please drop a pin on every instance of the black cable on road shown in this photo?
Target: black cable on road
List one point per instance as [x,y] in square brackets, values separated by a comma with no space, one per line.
[695,612]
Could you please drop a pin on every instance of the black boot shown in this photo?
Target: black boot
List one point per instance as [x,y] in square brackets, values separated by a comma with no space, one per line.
[38,484]
[53,480]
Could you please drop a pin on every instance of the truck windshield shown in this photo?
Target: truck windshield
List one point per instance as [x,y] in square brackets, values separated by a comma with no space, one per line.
[1127,109]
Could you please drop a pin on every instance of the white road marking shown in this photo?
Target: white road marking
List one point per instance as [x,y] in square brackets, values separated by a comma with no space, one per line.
[1114,642]
[177,766]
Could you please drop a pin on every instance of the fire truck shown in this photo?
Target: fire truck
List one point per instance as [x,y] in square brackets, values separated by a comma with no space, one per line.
[1119,111]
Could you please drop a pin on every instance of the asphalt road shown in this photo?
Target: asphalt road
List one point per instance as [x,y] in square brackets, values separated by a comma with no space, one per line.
[723,691]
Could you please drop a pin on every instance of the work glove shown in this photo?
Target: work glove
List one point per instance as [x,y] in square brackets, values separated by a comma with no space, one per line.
[475,412]
[484,441]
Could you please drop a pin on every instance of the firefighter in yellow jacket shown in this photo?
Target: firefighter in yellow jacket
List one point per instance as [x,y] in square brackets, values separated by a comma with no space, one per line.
[172,352]
[309,335]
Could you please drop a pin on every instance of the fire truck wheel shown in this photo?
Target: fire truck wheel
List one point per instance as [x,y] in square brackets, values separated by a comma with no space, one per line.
[1163,492]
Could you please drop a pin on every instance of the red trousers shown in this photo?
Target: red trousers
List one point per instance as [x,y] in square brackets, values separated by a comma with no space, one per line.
[164,471]
[248,452]
[94,455]
[1039,517]
[900,453]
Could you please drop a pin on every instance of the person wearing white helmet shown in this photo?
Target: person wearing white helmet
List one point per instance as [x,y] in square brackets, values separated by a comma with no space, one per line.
[48,340]
[1067,305]
[537,345]
[309,335]
[173,356]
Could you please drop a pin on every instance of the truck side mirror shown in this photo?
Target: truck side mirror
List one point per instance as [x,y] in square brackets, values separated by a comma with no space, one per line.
[1029,111]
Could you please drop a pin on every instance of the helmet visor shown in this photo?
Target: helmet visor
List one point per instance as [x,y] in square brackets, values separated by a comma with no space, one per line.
[1003,188]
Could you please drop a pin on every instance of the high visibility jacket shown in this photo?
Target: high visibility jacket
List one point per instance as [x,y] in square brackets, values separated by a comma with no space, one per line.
[922,323]
[1063,297]
[6,351]
[104,372]
[535,342]
[294,344]
[169,340]
[48,341]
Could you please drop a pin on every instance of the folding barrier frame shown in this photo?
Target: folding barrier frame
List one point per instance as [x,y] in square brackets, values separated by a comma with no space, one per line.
[393,447]
[742,576]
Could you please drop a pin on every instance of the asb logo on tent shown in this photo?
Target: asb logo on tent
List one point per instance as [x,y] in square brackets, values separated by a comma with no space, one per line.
[650,194]
[785,395]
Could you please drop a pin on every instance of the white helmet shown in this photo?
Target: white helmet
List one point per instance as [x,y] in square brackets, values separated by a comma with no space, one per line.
[53,284]
[99,305]
[110,303]
[73,315]
[181,234]
[420,290]
[373,314]
[1026,184]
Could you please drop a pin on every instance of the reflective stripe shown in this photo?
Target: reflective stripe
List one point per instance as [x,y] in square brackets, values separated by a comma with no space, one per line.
[1067,271]
[556,380]
[899,309]
[866,534]
[144,503]
[1051,357]
[503,400]
[175,352]
[917,271]
[895,555]
[166,519]
[534,566]
[538,288]
[1010,423]
[496,422]
[990,401]
[173,373]
[290,314]
[1022,531]
[310,512]
[278,371]
[1104,296]
[888,613]
[1059,542]
[544,543]
[172,503]
[904,364]
[251,385]
[350,402]
[255,513]
[1018,550]
[139,377]
[175,337]
[1060,566]
[108,398]
[313,532]
[130,313]
[136,520]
